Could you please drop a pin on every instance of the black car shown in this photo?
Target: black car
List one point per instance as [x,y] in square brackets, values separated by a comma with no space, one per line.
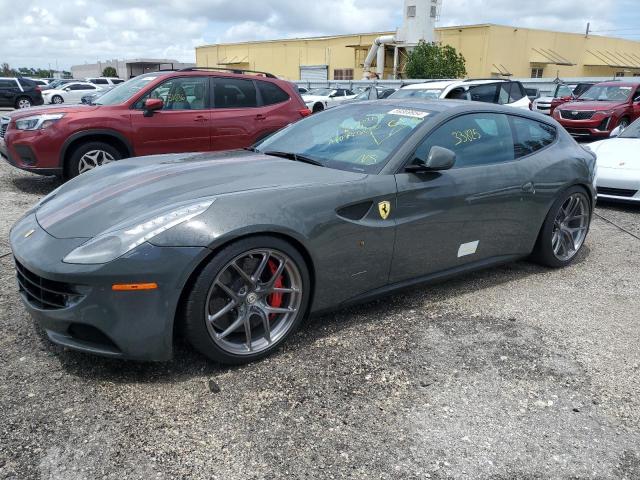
[19,92]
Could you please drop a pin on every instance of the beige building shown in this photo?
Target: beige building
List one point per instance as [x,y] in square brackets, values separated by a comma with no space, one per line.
[490,50]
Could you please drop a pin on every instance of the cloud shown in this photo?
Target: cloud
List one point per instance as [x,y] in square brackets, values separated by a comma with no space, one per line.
[70,32]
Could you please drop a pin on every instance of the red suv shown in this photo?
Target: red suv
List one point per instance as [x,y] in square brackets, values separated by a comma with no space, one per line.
[191,110]
[600,109]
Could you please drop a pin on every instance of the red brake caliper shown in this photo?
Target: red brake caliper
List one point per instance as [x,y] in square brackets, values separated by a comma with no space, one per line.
[275,299]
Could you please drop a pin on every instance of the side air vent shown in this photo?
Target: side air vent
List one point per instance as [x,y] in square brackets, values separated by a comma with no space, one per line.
[355,212]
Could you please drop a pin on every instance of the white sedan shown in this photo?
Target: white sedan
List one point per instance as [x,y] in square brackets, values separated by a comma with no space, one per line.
[69,93]
[322,98]
[619,165]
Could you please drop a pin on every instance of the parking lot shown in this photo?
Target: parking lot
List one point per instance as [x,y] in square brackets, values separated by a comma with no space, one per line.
[514,372]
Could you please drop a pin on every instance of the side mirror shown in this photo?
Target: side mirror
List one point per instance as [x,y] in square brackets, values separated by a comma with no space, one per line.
[615,132]
[439,158]
[151,105]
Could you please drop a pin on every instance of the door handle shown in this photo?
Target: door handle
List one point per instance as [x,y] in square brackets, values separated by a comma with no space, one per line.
[200,118]
[529,187]
[260,116]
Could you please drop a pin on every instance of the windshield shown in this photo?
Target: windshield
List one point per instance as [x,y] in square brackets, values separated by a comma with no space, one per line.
[632,131]
[564,91]
[607,93]
[355,137]
[126,90]
[428,93]
[321,92]
[364,95]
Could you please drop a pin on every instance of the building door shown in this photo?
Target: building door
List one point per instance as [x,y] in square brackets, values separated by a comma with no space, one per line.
[314,73]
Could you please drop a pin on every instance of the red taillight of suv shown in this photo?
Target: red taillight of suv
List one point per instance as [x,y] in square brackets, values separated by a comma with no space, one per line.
[305,112]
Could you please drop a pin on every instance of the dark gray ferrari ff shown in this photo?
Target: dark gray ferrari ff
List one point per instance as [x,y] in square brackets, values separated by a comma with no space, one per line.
[234,249]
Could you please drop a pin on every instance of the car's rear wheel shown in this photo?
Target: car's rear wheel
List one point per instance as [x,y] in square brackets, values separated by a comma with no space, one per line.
[23,102]
[318,107]
[89,156]
[565,229]
[57,99]
[247,300]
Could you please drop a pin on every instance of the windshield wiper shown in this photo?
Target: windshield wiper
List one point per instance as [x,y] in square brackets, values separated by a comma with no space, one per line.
[295,156]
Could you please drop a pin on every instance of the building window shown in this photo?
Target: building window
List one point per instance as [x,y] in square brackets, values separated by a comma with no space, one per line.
[343,74]
[537,72]
[411,11]
[619,74]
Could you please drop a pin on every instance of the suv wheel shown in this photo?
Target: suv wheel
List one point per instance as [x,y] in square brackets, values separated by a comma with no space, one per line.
[91,155]
[23,102]
[318,107]
[57,99]
[623,123]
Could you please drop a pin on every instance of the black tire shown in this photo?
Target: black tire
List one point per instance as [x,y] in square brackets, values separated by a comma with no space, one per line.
[195,308]
[23,102]
[57,99]
[624,122]
[73,164]
[318,107]
[543,252]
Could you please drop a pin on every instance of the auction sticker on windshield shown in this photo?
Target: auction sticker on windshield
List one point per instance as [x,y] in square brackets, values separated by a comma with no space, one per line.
[409,113]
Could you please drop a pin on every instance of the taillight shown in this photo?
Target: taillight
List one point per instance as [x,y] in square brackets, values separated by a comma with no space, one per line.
[38,89]
[305,112]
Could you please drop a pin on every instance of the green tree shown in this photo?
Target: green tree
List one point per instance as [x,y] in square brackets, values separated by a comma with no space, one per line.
[109,72]
[7,71]
[434,60]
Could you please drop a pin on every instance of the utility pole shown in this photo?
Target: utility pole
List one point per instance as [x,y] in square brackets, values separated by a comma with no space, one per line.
[588,30]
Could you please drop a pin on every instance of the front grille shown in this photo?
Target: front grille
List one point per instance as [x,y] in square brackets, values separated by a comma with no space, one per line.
[576,115]
[616,192]
[42,293]
[4,123]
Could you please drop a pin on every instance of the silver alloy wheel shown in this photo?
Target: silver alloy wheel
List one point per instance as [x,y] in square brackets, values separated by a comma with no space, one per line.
[93,159]
[254,301]
[570,227]
[57,99]
[624,123]
[24,103]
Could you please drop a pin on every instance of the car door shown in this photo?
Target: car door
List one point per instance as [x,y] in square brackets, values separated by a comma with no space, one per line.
[471,213]
[236,120]
[636,105]
[183,123]
[8,92]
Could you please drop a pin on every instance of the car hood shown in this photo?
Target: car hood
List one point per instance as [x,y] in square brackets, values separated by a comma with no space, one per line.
[544,99]
[27,112]
[109,195]
[618,153]
[585,105]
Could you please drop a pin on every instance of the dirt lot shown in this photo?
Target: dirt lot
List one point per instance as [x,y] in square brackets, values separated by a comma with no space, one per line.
[515,372]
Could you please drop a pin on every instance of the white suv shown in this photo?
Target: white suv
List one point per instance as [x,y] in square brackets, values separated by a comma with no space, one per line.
[105,80]
[503,92]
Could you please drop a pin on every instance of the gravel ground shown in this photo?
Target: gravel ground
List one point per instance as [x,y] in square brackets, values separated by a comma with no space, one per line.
[514,372]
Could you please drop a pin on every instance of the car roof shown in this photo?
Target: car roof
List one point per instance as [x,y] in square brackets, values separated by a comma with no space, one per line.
[447,83]
[618,83]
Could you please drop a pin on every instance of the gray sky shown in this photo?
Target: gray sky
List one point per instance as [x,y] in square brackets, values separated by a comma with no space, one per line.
[39,32]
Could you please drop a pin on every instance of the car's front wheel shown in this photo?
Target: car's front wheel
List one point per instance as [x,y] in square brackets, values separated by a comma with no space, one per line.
[57,99]
[23,102]
[89,156]
[565,229]
[318,107]
[250,297]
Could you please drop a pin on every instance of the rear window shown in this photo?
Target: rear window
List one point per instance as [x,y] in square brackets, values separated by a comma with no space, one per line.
[531,136]
[234,93]
[271,93]
[99,81]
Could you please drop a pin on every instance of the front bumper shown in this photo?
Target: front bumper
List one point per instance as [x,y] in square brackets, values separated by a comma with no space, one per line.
[32,151]
[599,127]
[93,318]
[618,184]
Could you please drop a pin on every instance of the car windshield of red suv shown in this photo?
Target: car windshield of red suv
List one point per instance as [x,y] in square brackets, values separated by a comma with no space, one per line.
[126,90]
[607,93]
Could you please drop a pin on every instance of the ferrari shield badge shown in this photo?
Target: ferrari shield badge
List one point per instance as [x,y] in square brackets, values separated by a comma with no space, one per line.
[385,209]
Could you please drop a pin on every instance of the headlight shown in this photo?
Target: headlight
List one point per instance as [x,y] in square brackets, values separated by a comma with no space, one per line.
[38,122]
[121,239]
[606,113]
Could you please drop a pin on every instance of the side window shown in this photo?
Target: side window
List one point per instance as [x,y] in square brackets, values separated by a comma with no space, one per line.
[271,93]
[234,93]
[100,81]
[116,81]
[484,93]
[476,139]
[636,96]
[517,92]
[8,84]
[531,136]
[503,97]
[348,93]
[185,93]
